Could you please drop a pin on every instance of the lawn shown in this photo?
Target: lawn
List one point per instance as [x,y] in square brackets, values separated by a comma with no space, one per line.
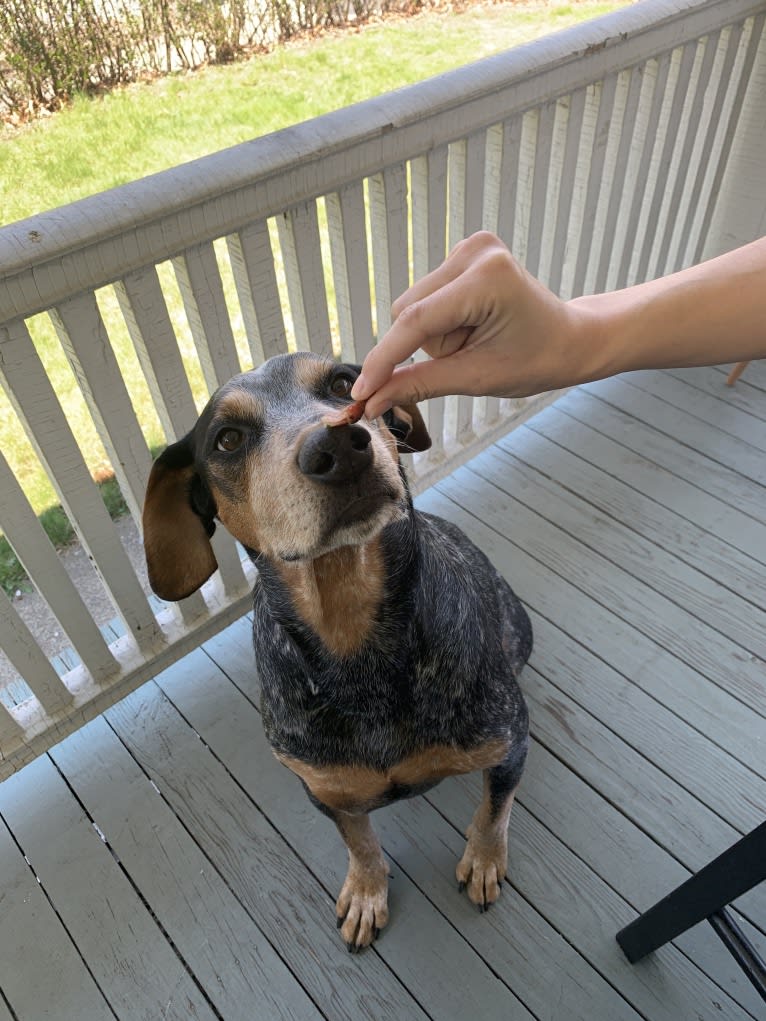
[97,144]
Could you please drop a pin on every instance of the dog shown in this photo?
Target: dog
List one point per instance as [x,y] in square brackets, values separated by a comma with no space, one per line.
[388,646]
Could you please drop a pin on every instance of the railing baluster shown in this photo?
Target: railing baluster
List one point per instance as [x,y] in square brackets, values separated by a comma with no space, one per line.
[538,211]
[428,176]
[699,81]
[660,77]
[524,184]
[508,175]
[552,184]
[25,654]
[227,553]
[10,732]
[351,270]
[86,344]
[143,307]
[38,408]
[467,159]
[390,247]
[745,58]
[39,558]
[590,236]
[252,263]
[577,223]
[492,176]
[302,252]
[199,281]
[566,189]
[620,177]
[722,54]
[678,84]
[600,181]
[466,203]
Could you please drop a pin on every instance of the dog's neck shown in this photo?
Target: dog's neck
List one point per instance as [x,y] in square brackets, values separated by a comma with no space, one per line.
[338,595]
[343,597]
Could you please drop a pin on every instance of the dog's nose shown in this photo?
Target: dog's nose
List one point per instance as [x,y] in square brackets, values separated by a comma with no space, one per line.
[335,454]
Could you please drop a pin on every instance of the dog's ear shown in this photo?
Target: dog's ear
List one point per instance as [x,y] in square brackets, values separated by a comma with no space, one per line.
[406,425]
[178,521]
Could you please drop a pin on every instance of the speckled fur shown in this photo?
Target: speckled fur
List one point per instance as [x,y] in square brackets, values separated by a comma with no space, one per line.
[439,668]
[405,675]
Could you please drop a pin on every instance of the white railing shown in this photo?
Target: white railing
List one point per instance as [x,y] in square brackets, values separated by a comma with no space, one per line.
[609,153]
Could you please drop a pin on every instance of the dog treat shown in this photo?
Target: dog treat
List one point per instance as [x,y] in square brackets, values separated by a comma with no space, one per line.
[345,416]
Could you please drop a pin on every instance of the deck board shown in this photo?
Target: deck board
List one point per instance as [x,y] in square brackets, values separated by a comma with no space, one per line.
[744,395]
[665,623]
[583,906]
[120,942]
[597,749]
[592,475]
[34,942]
[624,856]
[696,433]
[707,476]
[643,559]
[174,869]
[235,964]
[705,406]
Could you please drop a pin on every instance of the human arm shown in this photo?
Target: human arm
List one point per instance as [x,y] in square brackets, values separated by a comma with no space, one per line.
[493,329]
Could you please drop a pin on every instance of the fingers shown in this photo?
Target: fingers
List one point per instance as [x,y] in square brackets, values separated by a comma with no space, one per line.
[435,323]
[438,314]
[422,316]
[463,373]
[408,384]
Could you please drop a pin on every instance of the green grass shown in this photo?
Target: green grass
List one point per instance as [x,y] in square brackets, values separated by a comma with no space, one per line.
[97,144]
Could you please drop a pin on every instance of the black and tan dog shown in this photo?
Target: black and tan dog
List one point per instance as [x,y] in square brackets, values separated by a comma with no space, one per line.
[388,646]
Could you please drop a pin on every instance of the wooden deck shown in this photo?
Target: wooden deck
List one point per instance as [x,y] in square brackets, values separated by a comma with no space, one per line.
[160,864]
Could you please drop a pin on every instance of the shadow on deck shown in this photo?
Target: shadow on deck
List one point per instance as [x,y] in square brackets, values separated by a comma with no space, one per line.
[159,863]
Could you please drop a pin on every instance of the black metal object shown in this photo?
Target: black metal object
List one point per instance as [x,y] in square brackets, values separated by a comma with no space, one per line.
[740,948]
[705,896]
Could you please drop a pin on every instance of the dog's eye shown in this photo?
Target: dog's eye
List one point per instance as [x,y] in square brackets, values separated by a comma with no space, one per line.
[228,440]
[341,386]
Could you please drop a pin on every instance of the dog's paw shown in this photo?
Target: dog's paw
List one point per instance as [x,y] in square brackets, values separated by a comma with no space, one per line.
[362,907]
[482,868]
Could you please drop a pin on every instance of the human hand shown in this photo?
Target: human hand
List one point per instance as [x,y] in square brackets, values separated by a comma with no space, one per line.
[488,325]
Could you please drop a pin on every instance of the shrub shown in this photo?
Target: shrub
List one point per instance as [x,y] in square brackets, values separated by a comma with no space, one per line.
[52,49]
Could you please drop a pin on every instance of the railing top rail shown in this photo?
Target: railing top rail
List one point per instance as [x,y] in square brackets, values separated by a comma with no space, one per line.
[92,242]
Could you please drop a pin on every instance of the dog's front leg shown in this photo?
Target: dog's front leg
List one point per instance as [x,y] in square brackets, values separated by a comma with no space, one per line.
[483,866]
[362,907]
